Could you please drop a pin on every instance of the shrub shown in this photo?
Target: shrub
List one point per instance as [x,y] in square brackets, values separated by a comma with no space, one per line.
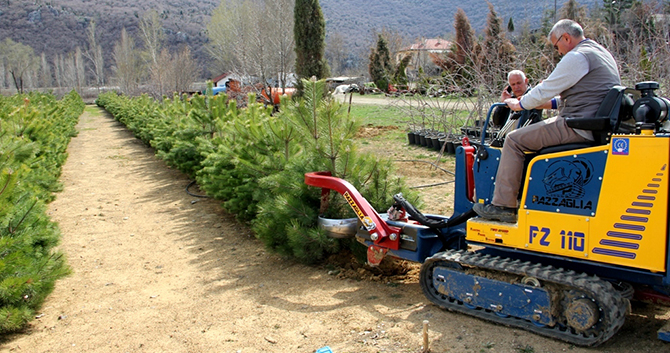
[36,130]
[255,161]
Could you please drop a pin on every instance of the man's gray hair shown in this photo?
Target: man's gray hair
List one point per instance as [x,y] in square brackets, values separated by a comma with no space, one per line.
[570,27]
[516,73]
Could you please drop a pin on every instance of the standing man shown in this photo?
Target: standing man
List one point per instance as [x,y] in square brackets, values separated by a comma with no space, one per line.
[581,79]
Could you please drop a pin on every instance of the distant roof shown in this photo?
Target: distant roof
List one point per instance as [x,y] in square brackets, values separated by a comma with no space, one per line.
[228,76]
[343,78]
[220,77]
[432,44]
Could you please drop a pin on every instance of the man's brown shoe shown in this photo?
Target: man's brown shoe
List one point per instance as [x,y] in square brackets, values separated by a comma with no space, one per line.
[495,213]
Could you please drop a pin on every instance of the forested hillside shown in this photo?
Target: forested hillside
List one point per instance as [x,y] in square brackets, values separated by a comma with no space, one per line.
[422,18]
[59,26]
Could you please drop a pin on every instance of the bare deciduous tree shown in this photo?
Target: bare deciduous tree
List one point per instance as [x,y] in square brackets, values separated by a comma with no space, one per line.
[642,48]
[185,69]
[336,53]
[254,39]
[3,75]
[80,70]
[58,70]
[19,60]
[229,32]
[94,56]
[69,71]
[154,55]
[280,13]
[46,79]
[127,64]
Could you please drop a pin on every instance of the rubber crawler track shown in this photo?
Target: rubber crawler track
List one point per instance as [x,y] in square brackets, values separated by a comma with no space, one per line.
[558,282]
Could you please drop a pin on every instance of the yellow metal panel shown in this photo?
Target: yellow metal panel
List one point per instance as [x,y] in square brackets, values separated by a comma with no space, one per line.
[629,226]
[503,234]
[551,233]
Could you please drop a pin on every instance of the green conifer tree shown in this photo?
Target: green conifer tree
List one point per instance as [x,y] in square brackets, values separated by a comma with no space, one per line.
[309,32]
[380,68]
[400,76]
[33,149]
[574,11]
[289,209]
[497,53]
[613,11]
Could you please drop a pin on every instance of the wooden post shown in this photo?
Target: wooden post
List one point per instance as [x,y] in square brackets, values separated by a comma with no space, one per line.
[426,347]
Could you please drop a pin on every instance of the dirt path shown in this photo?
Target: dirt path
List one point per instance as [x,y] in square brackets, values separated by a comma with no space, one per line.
[157,270]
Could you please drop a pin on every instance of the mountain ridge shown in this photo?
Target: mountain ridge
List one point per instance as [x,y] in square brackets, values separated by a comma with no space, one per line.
[58,27]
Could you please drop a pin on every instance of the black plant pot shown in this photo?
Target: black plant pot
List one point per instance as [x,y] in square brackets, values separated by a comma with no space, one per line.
[443,142]
[411,137]
[429,140]
[436,143]
[423,143]
[450,147]
[441,138]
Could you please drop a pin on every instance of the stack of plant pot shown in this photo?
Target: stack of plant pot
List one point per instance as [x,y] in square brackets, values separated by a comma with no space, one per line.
[434,140]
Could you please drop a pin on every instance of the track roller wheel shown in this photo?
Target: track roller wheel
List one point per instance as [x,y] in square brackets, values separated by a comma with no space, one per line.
[582,314]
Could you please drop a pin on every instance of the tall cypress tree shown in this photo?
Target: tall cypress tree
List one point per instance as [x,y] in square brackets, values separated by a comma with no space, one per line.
[309,31]
[462,61]
[465,37]
[497,53]
[573,10]
[380,65]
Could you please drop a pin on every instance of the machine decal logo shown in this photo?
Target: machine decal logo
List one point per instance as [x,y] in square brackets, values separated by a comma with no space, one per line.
[565,184]
[620,146]
[367,221]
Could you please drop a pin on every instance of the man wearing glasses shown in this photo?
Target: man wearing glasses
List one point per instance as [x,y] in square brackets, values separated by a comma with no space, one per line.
[576,87]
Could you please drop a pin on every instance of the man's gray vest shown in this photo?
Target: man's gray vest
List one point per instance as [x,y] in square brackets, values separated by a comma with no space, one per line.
[584,98]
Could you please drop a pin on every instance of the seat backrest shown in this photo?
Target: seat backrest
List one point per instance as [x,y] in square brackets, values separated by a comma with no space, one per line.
[616,106]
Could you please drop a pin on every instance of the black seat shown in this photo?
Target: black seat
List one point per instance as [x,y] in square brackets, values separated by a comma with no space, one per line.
[615,108]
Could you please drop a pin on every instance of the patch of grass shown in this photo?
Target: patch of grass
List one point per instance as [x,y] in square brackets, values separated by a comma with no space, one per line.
[392,115]
[379,115]
[93,110]
[118,157]
[525,349]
